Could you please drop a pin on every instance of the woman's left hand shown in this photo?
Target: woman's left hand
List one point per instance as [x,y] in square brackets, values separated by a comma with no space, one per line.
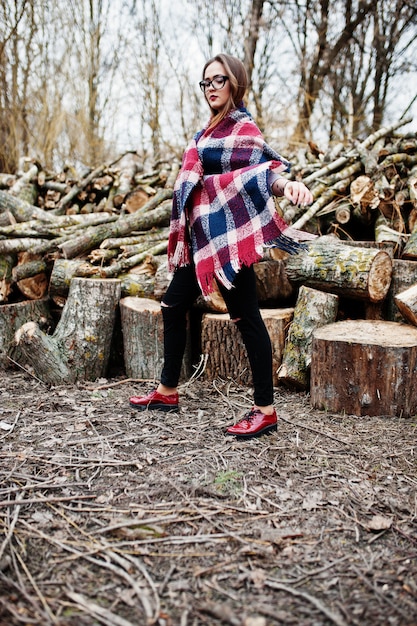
[297,193]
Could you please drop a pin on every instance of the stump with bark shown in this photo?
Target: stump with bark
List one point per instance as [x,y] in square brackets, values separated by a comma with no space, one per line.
[143,339]
[225,352]
[79,349]
[13,316]
[365,367]
[313,309]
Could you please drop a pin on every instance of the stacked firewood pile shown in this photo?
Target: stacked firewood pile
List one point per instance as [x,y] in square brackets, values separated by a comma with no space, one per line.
[54,227]
[367,192]
[112,223]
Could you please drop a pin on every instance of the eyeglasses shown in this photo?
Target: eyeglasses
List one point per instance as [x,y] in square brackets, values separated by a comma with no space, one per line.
[216,83]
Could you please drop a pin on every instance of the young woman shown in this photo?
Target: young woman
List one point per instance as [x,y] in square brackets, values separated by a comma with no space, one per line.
[223,214]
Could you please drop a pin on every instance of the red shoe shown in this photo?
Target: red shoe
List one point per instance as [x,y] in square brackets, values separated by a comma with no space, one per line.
[253,424]
[155,400]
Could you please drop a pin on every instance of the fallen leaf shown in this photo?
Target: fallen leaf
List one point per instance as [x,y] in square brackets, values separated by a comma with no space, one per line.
[379,522]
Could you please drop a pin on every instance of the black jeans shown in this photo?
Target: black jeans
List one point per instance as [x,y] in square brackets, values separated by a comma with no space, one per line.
[242,305]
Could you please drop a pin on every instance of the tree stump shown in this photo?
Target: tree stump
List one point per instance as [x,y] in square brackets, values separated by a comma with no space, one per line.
[143,339]
[222,344]
[13,316]
[365,367]
[312,310]
[79,349]
[350,271]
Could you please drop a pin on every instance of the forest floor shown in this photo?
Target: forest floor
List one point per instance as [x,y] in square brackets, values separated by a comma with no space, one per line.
[116,517]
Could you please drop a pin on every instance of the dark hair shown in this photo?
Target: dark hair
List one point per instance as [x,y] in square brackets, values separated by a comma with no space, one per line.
[238,79]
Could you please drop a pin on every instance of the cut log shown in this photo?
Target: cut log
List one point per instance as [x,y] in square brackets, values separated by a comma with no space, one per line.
[28,269]
[79,349]
[404,275]
[332,193]
[162,278]
[13,316]
[363,194]
[410,248]
[412,186]
[24,188]
[35,287]
[374,310]
[350,168]
[155,212]
[384,232]
[32,287]
[214,303]
[6,266]
[24,244]
[387,246]
[343,213]
[406,301]
[63,272]
[139,285]
[76,189]
[100,257]
[272,284]
[133,283]
[143,339]
[365,367]
[123,184]
[312,310]
[350,271]
[223,347]
[7,180]
[134,200]
[126,264]
[22,211]
[139,243]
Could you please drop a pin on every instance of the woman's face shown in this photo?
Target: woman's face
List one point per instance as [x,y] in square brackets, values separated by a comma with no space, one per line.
[217,98]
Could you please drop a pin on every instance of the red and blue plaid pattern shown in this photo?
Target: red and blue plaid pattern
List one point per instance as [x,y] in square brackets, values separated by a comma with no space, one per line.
[223,211]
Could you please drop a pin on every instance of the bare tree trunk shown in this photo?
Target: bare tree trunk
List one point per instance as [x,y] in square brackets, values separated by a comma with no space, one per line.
[252,37]
[322,61]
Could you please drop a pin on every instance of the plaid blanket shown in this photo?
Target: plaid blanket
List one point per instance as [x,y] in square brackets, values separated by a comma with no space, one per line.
[223,212]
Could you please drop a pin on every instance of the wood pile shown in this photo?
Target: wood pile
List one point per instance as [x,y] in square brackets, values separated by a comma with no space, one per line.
[112,220]
[112,223]
[103,224]
[367,192]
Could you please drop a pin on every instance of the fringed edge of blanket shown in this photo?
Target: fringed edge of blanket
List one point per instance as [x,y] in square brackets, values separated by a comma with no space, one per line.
[291,240]
[180,257]
[226,278]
